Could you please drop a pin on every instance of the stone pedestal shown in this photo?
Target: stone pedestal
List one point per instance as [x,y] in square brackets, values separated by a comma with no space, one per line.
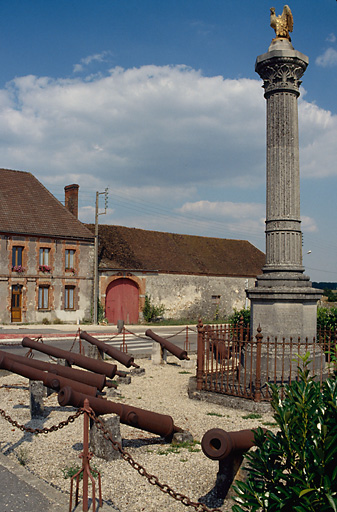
[283,301]
[37,393]
[102,447]
[159,354]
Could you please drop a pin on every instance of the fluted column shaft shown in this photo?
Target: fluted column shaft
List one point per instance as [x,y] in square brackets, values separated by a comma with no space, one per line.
[281,71]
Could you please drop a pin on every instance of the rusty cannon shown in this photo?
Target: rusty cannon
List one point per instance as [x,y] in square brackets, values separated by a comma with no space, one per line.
[82,361]
[170,347]
[160,424]
[116,354]
[228,448]
[50,380]
[92,379]
[217,444]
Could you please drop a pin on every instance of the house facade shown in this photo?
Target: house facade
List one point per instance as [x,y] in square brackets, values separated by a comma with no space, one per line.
[190,276]
[46,253]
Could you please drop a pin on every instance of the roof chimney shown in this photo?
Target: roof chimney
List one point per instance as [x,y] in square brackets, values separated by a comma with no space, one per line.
[71,198]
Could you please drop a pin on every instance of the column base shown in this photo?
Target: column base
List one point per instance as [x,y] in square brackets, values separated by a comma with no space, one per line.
[284,306]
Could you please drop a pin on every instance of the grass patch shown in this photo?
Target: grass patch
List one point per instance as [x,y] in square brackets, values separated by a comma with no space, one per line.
[70,471]
[252,416]
[214,414]
[184,372]
[175,448]
[23,456]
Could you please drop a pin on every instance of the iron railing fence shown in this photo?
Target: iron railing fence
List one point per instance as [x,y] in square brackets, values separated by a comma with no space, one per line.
[231,363]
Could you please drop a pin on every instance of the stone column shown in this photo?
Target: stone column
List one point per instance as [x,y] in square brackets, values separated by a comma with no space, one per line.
[283,301]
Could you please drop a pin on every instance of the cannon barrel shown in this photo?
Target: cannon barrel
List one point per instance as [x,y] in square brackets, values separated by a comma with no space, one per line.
[49,379]
[84,362]
[217,444]
[176,351]
[92,379]
[153,422]
[120,356]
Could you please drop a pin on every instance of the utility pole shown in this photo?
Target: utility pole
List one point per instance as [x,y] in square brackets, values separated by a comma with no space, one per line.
[96,284]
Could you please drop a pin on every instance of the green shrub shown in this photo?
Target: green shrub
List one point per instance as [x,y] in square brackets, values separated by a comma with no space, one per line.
[327,318]
[296,468]
[235,317]
[151,312]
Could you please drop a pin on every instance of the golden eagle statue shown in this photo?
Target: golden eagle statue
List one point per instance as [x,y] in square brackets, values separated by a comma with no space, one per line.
[282,24]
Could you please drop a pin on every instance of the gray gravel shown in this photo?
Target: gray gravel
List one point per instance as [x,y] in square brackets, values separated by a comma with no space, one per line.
[162,389]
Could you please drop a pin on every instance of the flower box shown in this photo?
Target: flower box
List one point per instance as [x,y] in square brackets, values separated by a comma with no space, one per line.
[44,268]
[18,268]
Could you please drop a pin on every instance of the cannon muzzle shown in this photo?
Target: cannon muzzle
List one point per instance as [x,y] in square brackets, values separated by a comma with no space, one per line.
[92,379]
[153,422]
[176,351]
[217,444]
[120,356]
[84,362]
[50,380]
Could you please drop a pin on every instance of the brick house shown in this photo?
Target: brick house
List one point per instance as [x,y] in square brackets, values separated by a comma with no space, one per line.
[189,275]
[46,253]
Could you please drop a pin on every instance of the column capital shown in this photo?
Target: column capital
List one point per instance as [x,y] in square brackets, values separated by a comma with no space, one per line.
[281,68]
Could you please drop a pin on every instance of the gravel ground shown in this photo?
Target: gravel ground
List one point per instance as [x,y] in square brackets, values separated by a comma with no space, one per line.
[162,389]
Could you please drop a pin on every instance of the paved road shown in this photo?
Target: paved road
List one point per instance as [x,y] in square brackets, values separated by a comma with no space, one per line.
[135,340]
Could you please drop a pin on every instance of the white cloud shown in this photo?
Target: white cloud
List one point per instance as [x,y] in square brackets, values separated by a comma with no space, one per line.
[223,209]
[86,61]
[153,124]
[318,134]
[308,224]
[331,38]
[328,59]
[179,151]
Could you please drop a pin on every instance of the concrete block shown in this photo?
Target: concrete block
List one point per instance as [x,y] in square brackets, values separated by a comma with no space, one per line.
[188,364]
[124,379]
[37,392]
[159,354]
[137,371]
[182,437]
[100,446]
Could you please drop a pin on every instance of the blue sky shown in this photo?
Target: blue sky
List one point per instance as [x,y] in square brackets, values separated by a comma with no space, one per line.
[159,101]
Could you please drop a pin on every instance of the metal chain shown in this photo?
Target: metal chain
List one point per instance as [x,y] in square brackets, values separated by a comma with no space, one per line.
[45,430]
[152,479]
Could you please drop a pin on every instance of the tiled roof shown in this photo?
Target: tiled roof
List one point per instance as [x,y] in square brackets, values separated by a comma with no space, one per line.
[139,249]
[28,208]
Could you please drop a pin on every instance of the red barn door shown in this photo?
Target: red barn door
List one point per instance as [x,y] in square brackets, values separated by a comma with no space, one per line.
[122,301]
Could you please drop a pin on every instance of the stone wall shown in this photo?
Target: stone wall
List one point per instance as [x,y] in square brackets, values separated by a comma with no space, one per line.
[189,296]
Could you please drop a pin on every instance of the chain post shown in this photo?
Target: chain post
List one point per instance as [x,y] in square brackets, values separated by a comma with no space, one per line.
[123,346]
[86,456]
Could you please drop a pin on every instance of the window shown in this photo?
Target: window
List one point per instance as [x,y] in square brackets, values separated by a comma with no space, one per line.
[69,263]
[69,297]
[44,256]
[43,297]
[17,257]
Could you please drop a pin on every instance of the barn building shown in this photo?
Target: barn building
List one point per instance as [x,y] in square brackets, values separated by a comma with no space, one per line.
[188,275]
